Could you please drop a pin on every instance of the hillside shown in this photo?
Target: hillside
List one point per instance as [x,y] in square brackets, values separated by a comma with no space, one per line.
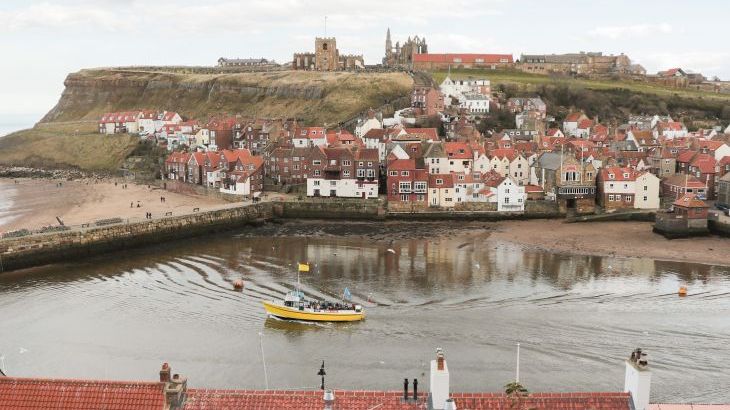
[607,99]
[315,97]
[66,145]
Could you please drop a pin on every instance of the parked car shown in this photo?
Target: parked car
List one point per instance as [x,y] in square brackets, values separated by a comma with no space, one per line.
[722,207]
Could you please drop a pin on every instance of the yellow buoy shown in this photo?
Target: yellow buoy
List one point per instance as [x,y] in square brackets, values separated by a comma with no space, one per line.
[682,291]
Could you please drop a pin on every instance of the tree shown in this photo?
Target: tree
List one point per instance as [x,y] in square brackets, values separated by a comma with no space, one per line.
[515,388]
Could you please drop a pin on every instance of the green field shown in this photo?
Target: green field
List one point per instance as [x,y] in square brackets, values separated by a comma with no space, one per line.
[532,80]
[66,145]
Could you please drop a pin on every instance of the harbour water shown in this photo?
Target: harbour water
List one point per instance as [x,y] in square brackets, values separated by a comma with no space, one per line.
[577,318]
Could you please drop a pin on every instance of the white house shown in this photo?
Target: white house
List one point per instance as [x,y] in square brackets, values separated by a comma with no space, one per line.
[647,191]
[570,124]
[441,190]
[519,170]
[370,123]
[310,137]
[119,122]
[242,186]
[474,103]
[721,152]
[456,88]
[511,196]
[342,188]
[166,118]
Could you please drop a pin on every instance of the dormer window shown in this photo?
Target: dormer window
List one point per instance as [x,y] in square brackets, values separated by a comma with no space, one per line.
[611,176]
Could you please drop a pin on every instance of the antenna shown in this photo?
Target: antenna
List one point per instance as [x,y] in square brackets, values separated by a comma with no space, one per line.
[263,359]
[2,366]
[325,26]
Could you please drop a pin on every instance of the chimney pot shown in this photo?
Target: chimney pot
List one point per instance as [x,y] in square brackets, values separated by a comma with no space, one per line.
[405,389]
[329,399]
[638,379]
[165,373]
[450,405]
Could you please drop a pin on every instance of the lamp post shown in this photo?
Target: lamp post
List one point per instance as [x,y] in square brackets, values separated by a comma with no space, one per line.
[321,373]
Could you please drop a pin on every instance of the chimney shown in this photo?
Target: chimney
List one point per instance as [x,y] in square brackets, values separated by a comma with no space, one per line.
[329,399]
[165,373]
[439,383]
[175,388]
[638,380]
[450,405]
[415,389]
[405,389]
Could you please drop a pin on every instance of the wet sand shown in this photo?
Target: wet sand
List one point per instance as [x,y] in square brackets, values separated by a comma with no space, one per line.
[622,239]
[37,202]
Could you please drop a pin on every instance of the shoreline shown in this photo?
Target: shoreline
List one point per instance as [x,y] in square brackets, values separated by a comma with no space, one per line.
[614,239]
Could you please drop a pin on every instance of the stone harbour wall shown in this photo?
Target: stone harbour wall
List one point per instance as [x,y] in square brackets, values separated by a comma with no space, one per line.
[35,250]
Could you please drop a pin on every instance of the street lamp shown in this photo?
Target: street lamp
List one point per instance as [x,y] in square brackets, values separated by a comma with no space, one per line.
[321,373]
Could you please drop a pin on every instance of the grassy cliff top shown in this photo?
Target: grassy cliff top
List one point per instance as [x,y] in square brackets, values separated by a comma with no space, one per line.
[66,145]
[315,97]
[532,80]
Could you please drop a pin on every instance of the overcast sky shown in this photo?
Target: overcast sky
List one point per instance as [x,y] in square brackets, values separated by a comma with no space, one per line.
[43,41]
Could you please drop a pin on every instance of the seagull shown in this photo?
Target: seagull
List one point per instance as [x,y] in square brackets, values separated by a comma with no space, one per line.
[23,350]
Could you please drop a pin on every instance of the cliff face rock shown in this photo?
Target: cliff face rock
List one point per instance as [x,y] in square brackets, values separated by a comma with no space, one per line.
[313,96]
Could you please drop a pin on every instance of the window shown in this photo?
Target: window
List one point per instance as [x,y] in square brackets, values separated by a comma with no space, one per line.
[346,163]
[404,197]
[404,173]
[506,200]
[316,182]
[370,164]
[333,183]
[610,197]
[346,173]
[316,172]
[361,163]
[371,173]
[404,186]
[439,181]
[646,199]
[420,186]
[360,173]
[393,173]
[646,188]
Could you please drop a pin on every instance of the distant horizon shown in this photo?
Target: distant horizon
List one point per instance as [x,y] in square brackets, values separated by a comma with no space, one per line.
[78,34]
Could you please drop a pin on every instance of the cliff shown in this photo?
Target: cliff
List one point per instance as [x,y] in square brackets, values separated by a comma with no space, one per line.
[315,97]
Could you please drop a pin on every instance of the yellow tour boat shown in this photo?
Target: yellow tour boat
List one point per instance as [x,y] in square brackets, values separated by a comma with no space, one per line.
[296,307]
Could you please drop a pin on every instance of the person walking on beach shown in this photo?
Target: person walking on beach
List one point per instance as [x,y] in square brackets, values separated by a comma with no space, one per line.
[131,204]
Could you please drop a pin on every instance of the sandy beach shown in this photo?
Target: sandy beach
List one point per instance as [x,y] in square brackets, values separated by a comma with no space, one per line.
[622,239]
[37,202]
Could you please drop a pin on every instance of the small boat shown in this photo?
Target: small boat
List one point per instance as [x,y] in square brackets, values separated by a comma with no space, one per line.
[682,291]
[295,306]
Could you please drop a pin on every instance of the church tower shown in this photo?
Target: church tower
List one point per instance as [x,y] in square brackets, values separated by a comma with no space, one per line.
[388,49]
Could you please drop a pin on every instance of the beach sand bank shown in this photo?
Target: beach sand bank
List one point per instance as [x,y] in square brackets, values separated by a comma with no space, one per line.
[37,202]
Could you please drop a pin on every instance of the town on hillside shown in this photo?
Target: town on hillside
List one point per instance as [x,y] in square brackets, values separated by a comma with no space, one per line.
[441,154]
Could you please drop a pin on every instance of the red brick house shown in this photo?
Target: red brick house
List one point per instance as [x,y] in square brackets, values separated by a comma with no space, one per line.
[427,100]
[176,166]
[407,185]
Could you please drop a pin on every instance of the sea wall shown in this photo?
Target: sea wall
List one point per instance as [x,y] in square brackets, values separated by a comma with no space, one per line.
[35,250]
[330,209]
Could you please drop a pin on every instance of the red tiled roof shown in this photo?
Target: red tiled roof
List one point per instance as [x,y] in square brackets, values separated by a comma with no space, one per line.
[705,163]
[465,58]
[458,150]
[429,133]
[533,188]
[686,156]
[447,180]
[618,174]
[30,393]
[123,116]
[585,124]
[199,399]
[510,154]
[690,201]
[574,117]
[402,165]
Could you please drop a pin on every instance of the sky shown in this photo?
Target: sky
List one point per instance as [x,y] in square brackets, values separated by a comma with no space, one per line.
[42,41]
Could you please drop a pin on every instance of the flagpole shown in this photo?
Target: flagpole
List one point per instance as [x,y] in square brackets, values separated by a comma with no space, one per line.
[517,375]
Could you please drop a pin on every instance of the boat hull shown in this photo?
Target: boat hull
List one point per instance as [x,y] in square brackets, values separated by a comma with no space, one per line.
[285,312]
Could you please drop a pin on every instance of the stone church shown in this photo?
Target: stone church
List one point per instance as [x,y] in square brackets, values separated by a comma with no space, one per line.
[402,55]
[326,57]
